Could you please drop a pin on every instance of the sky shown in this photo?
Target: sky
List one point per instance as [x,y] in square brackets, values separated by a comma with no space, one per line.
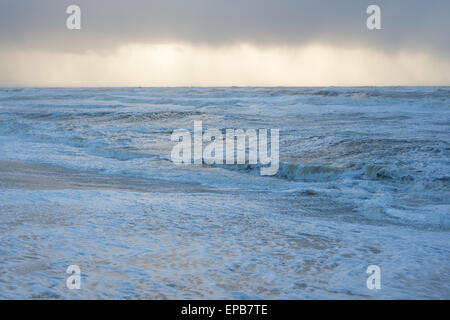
[224,43]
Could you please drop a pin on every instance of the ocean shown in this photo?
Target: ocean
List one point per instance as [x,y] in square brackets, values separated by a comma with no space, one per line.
[87,179]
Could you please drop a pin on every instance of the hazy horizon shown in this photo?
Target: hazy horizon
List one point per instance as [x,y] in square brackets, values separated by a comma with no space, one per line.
[223,87]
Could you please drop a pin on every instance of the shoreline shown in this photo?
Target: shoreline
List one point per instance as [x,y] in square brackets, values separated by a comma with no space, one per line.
[39,176]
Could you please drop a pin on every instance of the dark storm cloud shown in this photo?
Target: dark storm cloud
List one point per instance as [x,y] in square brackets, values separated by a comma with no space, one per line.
[40,24]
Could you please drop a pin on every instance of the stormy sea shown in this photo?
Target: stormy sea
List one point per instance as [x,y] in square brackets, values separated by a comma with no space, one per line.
[87,179]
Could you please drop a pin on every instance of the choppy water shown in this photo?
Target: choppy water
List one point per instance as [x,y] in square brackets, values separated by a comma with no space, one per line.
[86,178]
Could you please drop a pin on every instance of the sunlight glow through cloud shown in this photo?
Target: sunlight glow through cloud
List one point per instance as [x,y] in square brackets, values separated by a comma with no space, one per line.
[239,65]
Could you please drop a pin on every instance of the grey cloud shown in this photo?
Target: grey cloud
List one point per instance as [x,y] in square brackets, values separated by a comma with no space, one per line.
[40,24]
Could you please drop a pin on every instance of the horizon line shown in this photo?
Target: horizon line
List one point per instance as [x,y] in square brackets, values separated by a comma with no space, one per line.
[224,87]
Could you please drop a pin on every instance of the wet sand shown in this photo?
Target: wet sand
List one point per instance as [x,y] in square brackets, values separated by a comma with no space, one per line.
[36,176]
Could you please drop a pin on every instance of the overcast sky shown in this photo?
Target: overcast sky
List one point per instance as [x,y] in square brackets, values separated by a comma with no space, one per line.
[228,42]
